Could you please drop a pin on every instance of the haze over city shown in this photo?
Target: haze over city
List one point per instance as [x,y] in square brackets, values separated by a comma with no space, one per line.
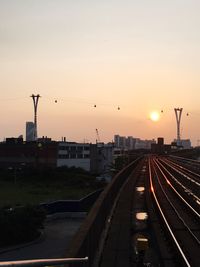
[102,65]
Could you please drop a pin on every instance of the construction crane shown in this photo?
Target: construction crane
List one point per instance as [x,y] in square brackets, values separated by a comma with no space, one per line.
[97,135]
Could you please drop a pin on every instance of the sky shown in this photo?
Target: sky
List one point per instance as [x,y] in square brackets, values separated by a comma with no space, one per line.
[139,56]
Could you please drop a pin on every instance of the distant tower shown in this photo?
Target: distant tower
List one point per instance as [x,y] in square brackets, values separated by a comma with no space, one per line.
[30,130]
[178,112]
[35,104]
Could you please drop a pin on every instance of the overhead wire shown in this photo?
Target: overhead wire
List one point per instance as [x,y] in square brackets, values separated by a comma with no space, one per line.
[78,100]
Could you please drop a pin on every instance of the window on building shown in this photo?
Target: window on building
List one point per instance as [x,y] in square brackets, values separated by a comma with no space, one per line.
[72,156]
[64,156]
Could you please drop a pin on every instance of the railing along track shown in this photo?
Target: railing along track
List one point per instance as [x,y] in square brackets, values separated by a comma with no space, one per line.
[43,262]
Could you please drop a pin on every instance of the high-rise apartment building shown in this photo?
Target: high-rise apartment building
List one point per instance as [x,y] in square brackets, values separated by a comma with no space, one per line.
[30,128]
[132,143]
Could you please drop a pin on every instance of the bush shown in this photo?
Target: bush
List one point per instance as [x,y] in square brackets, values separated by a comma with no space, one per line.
[20,225]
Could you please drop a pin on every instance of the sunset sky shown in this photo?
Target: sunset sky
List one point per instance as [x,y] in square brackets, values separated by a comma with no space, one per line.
[139,55]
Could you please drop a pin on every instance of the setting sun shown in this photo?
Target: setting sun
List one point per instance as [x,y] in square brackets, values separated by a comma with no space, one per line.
[154,116]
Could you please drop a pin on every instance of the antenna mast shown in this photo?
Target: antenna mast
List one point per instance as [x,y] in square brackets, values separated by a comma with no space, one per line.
[178,113]
[35,105]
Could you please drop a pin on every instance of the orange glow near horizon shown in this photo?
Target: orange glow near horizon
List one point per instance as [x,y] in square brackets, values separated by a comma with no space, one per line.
[87,58]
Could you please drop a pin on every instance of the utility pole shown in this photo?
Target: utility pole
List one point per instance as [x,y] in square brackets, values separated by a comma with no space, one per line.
[178,113]
[35,104]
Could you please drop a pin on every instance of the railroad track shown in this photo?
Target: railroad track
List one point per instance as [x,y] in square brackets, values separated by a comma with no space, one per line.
[188,163]
[181,219]
[186,182]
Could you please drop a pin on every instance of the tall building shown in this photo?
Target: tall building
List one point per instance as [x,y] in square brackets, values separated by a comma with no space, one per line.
[130,143]
[30,130]
[119,141]
[116,140]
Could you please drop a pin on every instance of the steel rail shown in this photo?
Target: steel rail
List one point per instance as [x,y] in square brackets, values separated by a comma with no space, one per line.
[165,220]
[171,163]
[186,159]
[187,190]
[42,262]
[194,211]
[183,167]
[174,208]
[187,162]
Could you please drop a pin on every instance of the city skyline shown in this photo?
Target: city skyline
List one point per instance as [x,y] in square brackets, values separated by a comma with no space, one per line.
[102,65]
[29,134]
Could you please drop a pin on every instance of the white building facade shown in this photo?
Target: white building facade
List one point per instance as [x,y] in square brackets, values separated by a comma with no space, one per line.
[74,155]
[96,158]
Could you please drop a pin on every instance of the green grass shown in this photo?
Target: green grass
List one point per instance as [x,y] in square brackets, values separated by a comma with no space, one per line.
[31,192]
